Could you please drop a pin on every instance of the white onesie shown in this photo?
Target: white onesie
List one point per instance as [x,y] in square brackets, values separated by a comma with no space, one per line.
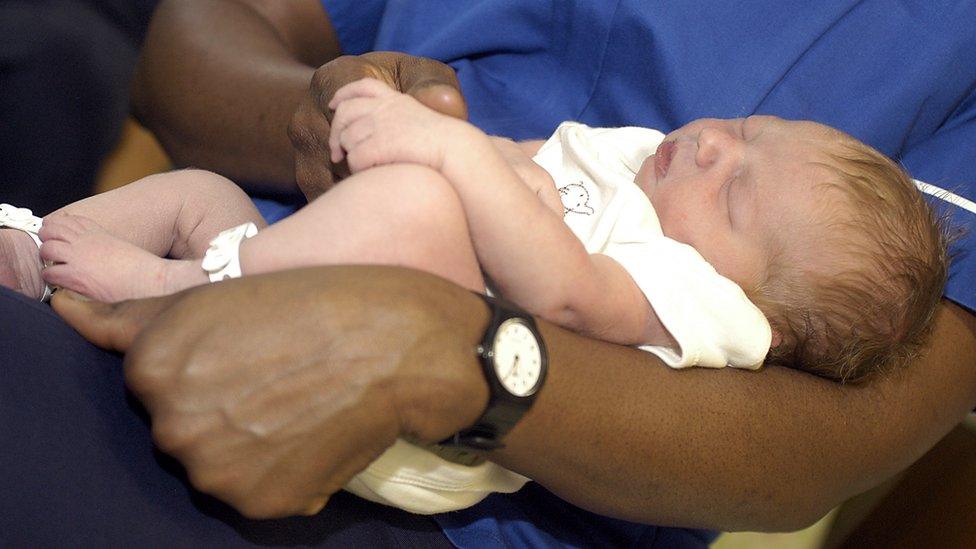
[709,316]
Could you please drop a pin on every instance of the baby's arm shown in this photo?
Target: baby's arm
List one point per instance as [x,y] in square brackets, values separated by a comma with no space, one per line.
[519,158]
[535,259]
[524,246]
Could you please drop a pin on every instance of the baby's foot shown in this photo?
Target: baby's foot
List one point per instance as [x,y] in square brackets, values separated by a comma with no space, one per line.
[20,263]
[90,261]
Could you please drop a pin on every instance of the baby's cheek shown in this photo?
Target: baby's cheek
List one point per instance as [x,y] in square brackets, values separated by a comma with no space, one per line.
[738,264]
[674,221]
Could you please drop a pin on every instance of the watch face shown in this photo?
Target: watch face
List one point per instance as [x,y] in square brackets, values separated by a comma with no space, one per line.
[517,358]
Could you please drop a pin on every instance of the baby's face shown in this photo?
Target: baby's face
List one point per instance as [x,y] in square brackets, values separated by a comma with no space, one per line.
[737,190]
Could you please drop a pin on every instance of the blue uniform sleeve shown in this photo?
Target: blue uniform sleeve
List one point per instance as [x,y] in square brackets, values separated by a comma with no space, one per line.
[356,23]
[945,160]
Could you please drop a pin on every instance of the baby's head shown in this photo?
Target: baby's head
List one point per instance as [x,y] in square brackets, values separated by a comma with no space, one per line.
[827,236]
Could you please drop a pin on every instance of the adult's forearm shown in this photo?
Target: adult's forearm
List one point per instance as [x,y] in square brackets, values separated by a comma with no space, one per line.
[613,430]
[618,434]
[219,81]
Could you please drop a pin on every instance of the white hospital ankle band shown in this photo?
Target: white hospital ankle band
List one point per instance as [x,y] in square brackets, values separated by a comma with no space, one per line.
[223,258]
[23,219]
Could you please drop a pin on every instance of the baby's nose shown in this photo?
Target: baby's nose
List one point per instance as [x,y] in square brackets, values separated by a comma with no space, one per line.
[716,145]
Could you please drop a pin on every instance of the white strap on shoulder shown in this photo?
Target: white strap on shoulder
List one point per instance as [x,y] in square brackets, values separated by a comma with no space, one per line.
[222,259]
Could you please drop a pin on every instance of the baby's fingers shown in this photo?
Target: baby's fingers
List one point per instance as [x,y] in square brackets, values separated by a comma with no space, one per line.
[347,113]
[367,87]
[354,136]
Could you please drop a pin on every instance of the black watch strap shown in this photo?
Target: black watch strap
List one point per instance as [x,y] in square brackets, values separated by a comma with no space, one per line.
[504,409]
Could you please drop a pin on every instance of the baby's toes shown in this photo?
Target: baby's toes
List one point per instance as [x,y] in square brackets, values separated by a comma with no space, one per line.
[56,228]
[69,225]
[63,276]
[69,277]
[56,251]
[56,275]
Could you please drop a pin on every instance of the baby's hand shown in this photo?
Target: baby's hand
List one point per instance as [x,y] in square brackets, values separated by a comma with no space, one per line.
[375,125]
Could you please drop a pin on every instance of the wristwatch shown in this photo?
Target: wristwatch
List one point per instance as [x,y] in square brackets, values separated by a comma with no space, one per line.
[514,360]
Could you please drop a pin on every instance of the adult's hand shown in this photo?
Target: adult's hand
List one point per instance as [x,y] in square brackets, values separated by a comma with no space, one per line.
[223,84]
[771,450]
[431,82]
[274,390]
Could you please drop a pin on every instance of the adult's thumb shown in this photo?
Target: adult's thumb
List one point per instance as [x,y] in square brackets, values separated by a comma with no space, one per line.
[442,98]
[433,83]
[111,326]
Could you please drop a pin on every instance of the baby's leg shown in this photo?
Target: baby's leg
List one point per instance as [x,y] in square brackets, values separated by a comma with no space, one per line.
[109,246]
[405,215]
[173,214]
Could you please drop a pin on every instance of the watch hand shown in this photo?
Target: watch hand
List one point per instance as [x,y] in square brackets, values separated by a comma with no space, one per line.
[514,369]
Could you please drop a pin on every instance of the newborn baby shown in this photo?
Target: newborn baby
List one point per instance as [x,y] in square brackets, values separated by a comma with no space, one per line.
[726,242]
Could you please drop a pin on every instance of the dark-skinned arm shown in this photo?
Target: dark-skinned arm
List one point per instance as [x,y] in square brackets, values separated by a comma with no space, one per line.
[730,449]
[195,86]
[613,430]
[233,86]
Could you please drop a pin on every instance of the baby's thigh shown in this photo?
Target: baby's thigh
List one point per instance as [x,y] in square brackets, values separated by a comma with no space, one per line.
[403,214]
[411,197]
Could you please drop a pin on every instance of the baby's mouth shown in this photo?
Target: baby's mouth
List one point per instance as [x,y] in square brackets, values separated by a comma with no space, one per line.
[662,159]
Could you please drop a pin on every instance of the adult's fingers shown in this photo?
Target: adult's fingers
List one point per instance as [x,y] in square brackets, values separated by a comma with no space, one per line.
[335,74]
[366,87]
[426,79]
[310,126]
[109,326]
[434,84]
[431,82]
[309,133]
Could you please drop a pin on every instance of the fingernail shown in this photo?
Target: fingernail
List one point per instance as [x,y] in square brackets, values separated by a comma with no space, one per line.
[316,507]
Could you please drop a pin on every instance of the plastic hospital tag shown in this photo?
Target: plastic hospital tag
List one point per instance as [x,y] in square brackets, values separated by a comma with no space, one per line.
[222,259]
